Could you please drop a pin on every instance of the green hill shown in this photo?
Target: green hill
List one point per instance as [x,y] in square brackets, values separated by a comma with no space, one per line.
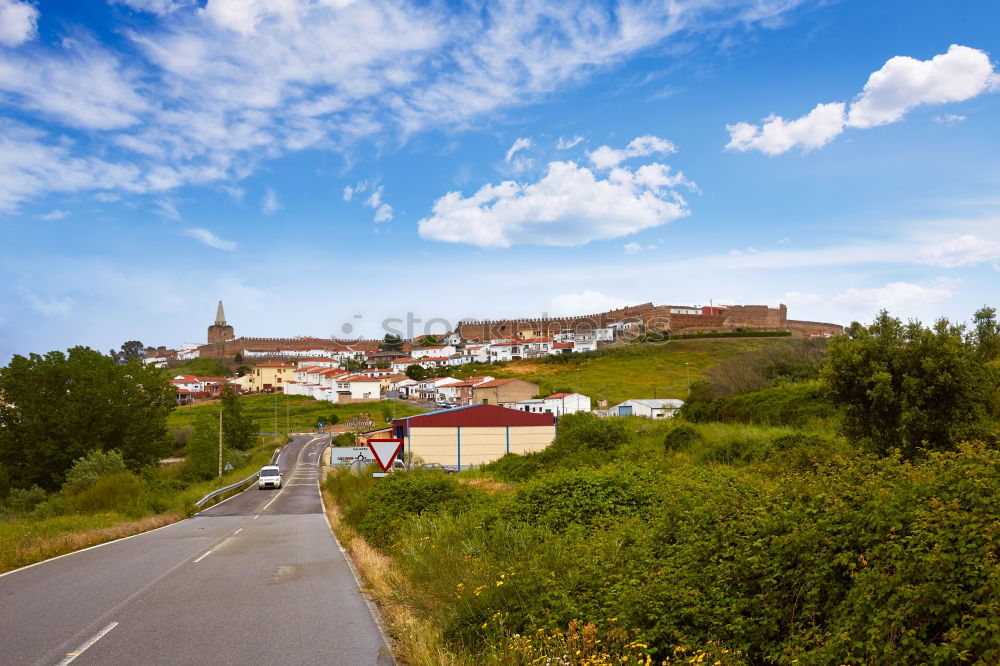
[631,371]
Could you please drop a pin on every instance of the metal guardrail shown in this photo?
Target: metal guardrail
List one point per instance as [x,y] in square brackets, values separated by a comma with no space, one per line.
[216,493]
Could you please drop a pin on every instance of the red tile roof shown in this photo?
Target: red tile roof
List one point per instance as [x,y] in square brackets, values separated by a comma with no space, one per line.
[558,395]
[497,382]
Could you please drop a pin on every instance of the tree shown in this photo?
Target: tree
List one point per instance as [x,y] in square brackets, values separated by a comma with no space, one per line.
[391,343]
[416,372]
[59,407]
[333,419]
[429,341]
[133,349]
[985,333]
[909,387]
[242,371]
[238,431]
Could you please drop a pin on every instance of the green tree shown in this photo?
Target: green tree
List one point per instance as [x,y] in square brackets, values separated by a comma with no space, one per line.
[985,333]
[417,372]
[91,468]
[333,419]
[242,370]
[908,386]
[238,430]
[429,341]
[201,456]
[391,343]
[60,406]
[133,349]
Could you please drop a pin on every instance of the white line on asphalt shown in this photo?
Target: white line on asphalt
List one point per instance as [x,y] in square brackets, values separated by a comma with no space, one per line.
[70,656]
[237,531]
[202,557]
[256,517]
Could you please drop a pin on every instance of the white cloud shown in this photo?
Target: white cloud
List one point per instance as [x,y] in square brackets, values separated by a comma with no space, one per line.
[54,215]
[521,143]
[895,296]
[777,135]
[566,144]
[236,192]
[585,302]
[18,22]
[167,209]
[900,85]
[205,91]
[606,157]
[632,248]
[348,193]
[903,83]
[949,119]
[797,298]
[269,204]
[965,250]
[50,307]
[208,238]
[569,206]
[383,213]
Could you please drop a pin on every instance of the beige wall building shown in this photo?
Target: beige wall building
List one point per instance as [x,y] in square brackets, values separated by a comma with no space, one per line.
[270,377]
[473,435]
[503,390]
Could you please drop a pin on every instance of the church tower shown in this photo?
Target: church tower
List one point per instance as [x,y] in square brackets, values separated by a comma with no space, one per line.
[219,331]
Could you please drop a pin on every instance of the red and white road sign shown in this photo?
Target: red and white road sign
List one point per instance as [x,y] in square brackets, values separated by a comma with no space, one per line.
[385,451]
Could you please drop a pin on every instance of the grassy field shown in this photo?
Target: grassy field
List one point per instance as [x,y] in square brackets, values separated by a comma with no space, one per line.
[633,371]
[297,413]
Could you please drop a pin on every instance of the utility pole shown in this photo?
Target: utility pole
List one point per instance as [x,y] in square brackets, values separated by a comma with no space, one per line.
[220,442]
[275,414]
[287,429]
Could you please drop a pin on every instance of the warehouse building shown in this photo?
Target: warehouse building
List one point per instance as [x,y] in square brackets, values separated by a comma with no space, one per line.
[473,435]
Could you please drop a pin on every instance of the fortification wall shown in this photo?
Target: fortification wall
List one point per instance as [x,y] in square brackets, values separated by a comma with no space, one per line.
[805,329]
[487,329]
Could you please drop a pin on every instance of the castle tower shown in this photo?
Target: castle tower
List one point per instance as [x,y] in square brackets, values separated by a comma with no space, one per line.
[219,331]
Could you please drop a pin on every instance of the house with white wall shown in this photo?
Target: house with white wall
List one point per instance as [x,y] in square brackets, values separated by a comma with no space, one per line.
[440,351]
[649,408]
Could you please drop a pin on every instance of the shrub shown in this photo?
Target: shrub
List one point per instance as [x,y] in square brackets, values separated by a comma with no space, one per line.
[23,500]
[681,438]
[585,430]
[583,497]
[88,470]
[120,493]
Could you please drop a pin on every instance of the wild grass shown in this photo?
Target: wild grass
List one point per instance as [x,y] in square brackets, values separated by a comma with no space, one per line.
[296,413]
[633,371]
[27,540]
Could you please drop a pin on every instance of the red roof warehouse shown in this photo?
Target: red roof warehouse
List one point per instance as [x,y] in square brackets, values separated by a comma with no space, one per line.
[473,435]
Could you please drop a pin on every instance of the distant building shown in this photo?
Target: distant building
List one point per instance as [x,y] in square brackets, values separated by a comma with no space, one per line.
[474,435]
[220,331]
[270,377]
[503,390]
[650,408]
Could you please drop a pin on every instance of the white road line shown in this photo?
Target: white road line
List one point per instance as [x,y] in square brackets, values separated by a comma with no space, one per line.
[202,557]
[237,531]
[256,517]
[70,656]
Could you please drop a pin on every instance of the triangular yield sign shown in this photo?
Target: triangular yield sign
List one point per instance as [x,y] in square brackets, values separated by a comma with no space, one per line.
[385,451]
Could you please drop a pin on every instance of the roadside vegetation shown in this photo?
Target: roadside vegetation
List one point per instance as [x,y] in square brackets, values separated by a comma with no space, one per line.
[761,531]
[81,442]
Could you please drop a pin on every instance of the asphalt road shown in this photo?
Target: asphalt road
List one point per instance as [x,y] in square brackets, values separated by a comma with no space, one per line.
[257,579]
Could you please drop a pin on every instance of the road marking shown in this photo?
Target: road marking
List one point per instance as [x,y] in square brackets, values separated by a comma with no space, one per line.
[70,656]
[237,531]
[256,517]
[202,557]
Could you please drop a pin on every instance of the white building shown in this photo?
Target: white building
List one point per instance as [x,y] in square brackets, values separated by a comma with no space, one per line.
[685,310]
[650,408]
[442,351]
[557,404]
[188,351]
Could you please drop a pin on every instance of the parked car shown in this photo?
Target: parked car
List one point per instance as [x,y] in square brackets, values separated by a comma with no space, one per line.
[438,467]
[270,477]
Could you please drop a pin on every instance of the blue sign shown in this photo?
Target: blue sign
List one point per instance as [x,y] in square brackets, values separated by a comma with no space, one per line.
[320,424]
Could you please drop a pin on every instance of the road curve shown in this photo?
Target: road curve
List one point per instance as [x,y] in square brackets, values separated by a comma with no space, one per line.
[258,578]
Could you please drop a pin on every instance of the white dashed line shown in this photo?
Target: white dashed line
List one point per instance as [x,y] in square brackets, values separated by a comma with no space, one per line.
[237,531]
[70,656]
[202,557]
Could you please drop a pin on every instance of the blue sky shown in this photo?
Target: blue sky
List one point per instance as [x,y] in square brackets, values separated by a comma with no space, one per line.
[324,165]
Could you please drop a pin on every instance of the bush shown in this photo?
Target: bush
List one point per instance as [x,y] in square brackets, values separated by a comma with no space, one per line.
[88,470]
[583,497]
[585,430]
[120,493]
[681,438]
[24,500]
[386,506]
